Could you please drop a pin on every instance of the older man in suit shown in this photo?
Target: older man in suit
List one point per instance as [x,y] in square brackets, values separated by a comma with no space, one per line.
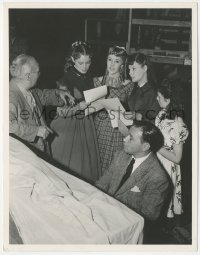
[135,176]
[26,115]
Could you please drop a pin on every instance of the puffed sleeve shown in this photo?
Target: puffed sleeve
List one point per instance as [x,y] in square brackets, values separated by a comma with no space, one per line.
[179,131]
[97,81]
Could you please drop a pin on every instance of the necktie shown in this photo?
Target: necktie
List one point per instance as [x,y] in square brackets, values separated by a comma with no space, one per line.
[128,173]
[136,87]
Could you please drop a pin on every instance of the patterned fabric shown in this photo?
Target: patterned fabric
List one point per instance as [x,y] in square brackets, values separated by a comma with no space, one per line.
[23,122]
[174,132]
[113,82]
[146,189]
[110,140]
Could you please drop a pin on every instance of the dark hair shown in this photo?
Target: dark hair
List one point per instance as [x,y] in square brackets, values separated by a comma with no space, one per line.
[142,59]
[78,48]
[150,134]
[169,90]
[118,52]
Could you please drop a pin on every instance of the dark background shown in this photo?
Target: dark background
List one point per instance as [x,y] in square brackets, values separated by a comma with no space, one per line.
[49,34]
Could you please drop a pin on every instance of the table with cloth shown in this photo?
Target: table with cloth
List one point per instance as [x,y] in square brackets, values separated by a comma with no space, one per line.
[50,206]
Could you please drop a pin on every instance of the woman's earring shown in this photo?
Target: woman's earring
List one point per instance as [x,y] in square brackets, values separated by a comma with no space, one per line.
[121,72]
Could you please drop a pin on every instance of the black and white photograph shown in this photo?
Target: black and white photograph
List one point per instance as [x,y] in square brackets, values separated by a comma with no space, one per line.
[101,120]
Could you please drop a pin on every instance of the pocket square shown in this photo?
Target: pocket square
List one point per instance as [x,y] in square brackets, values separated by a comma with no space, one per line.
[135,189]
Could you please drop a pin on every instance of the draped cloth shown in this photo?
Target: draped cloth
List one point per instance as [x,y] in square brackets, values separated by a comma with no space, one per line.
[50,206]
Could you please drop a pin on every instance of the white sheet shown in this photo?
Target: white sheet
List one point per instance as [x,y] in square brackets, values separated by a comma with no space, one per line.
[50,206]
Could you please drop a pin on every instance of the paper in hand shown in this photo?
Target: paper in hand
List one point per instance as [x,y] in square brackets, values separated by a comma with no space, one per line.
[112,104]
[92,95]
[115,116]
[94,107]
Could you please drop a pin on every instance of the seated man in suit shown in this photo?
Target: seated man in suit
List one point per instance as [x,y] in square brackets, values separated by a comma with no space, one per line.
[135,176]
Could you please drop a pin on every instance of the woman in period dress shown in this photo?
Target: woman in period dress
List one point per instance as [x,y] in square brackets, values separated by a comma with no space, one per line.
[75,145]
[110,139]
[175,133]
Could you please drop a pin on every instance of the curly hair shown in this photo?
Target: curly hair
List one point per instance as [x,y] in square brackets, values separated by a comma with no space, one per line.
[169,90]
[118,52]
[143,60]
[78,48]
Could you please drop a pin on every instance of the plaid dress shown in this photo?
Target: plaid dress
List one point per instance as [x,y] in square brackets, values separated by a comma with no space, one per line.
[110,139]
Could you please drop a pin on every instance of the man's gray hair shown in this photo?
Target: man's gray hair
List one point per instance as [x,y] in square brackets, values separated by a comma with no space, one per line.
[16,68]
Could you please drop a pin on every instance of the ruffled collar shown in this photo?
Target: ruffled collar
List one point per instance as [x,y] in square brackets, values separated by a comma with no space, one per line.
[114,82]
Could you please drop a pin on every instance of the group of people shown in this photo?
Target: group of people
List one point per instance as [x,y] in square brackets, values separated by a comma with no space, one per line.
[135,168]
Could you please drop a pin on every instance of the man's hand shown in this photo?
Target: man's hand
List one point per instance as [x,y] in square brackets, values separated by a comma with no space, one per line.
[62,94]
[44,131]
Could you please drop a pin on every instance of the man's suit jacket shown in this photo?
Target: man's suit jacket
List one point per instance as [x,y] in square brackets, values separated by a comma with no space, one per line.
[145,190]
[22,121]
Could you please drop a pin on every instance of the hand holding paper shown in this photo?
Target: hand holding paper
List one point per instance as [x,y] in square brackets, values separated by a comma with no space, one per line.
[113,106]
[115,116]
[92,95]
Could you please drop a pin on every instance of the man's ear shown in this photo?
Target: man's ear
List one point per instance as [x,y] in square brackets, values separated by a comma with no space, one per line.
[145,68]
[167,100]
[146,146]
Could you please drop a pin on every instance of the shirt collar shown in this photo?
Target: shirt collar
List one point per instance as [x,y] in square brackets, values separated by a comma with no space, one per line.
[141,85]
[141,159]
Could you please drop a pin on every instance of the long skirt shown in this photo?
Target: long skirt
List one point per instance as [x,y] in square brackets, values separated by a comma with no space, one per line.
[109,139]
[75,146]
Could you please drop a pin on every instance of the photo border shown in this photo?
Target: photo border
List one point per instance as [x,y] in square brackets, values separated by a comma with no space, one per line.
[118,248]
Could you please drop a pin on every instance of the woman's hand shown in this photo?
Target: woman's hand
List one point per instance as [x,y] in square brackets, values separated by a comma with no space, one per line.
[83,105]
[128,115]
[138,116]
[133,115]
